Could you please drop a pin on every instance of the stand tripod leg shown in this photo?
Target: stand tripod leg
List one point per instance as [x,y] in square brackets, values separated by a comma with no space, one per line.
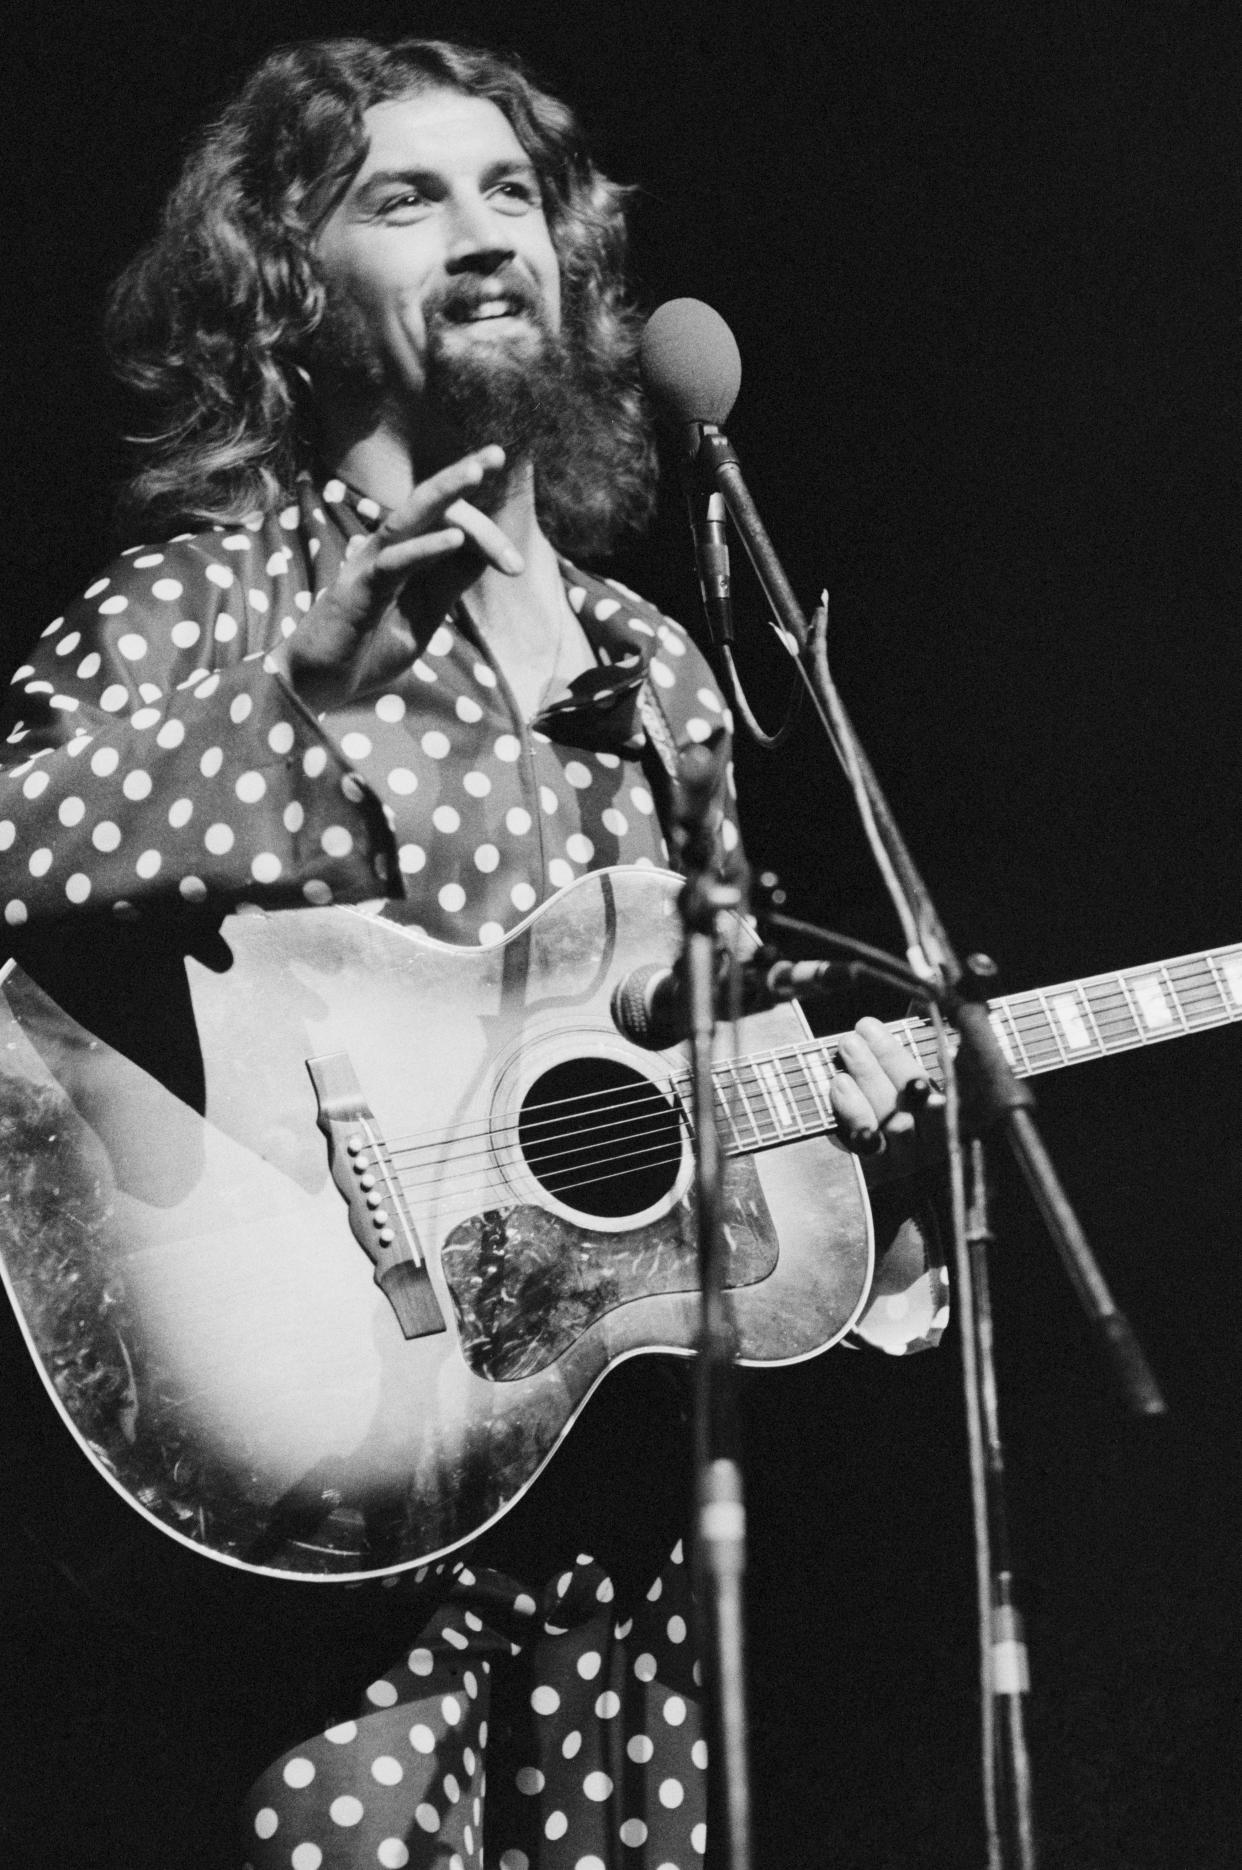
[1013,1846]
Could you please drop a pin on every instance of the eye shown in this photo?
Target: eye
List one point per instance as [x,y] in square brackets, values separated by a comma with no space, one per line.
[410,202]
[516,195]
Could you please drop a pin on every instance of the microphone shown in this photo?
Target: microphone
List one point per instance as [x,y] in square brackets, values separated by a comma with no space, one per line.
[692,370]
[649,1003]
[690,363]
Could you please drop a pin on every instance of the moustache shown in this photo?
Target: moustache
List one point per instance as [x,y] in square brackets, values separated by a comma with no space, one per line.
[460,300]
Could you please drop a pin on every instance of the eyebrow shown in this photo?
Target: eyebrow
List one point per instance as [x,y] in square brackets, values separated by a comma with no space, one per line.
[504,170]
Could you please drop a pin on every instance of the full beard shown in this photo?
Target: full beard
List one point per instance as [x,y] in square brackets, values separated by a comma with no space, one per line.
[522,395]
[526,392]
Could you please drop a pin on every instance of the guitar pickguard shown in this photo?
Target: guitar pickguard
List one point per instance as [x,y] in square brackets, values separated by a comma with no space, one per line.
[526,1284]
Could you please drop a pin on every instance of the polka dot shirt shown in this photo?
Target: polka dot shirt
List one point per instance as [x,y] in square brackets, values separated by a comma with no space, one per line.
[557,1728]
[151,755]
[151,759]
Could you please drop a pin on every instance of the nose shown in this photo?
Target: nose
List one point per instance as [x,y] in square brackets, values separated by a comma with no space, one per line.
[476,243]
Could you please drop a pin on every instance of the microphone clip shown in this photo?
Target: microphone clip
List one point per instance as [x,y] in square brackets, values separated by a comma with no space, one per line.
[701,443]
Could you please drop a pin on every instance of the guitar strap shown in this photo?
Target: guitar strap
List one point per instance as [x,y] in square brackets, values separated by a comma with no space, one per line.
[660,759]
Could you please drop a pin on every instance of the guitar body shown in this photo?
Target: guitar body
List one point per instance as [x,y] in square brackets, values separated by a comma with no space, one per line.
[201,1275]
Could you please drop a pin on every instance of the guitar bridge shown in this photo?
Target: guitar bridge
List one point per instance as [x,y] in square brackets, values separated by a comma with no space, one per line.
[378,1215]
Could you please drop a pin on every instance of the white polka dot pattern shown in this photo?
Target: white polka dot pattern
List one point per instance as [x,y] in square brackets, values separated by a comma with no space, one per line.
[205,781]
[196,788]
[587,1781]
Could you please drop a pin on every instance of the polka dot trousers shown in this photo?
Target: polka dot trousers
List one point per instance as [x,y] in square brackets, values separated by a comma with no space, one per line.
[514,1735]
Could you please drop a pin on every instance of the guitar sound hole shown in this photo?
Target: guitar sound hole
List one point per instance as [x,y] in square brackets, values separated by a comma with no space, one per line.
[600,1137]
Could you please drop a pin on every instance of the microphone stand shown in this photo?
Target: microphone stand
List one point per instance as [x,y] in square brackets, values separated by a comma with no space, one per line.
[980,1091]
[720,1515]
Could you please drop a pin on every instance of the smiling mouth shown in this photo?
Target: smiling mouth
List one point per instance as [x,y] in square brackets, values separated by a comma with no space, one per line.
[487,311]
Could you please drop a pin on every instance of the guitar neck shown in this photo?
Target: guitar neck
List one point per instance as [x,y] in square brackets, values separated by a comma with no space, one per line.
[765,1098]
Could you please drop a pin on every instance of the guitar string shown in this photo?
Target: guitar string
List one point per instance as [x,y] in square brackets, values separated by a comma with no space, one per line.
[411,1141]
[494,1141]
[809,1117]
[636,1102]
[653,1155]
[919,1038]
[1026,1023]
[498,1186]
[806,1105]
[547,1170]
[810,1120]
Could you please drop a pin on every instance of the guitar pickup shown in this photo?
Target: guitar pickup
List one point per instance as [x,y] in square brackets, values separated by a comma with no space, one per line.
[378,1214]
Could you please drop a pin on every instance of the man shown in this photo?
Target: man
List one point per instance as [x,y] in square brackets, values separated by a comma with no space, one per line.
[386,326]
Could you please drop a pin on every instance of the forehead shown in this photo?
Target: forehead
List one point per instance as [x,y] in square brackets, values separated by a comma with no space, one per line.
[438,130]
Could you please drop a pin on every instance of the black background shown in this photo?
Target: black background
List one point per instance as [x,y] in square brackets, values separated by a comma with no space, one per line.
[983,265]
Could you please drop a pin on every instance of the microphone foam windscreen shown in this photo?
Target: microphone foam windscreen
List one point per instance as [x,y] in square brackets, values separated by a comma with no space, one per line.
[690,362]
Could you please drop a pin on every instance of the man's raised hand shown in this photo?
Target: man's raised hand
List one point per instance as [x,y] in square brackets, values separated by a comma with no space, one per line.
[396,584]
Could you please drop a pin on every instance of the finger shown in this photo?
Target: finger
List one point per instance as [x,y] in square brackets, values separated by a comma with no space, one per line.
[870,1073]
[433,496]
[857,1121]
[486,537]
[904,1069]
[398,560]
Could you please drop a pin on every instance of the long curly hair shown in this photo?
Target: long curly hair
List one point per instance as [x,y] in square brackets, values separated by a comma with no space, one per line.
[210,323]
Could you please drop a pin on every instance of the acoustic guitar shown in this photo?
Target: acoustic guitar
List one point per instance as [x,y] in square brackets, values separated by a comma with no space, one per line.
[324,1305]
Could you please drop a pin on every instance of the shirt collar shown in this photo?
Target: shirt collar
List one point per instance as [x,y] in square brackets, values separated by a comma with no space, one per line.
[600,710]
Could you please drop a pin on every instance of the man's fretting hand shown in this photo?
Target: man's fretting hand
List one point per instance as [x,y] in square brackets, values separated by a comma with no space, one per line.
[887,1110]
[396,584]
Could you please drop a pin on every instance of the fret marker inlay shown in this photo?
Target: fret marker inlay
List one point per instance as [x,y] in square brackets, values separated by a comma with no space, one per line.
[1152,1003]
[1074,1029]
[1003,1040]
[822,1076]
[771,1081]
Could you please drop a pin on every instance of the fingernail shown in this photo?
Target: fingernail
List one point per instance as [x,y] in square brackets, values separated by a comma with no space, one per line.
[513,561]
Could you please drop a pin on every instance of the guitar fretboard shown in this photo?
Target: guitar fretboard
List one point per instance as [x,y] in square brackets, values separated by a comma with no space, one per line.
[774,1097]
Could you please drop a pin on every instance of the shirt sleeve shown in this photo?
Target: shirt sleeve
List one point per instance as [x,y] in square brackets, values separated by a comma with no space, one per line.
[138,771]
[907,1309]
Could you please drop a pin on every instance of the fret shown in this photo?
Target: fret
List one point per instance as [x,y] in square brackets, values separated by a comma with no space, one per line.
[772,1079]
[799,1092]
[1113,1013]
[776,1097]
[1220,977]
[1054,1029]
[799,1088]
[1151,1003]
[1036,1033]
[1230,968]
[732,1093]
[1199,994]
[1178,1013]
[1003,1036]
[819,1104]
[763,1101]
[918,1036]
[725,1104]
[1010,1040]
[1071,1010]
[820,1075]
